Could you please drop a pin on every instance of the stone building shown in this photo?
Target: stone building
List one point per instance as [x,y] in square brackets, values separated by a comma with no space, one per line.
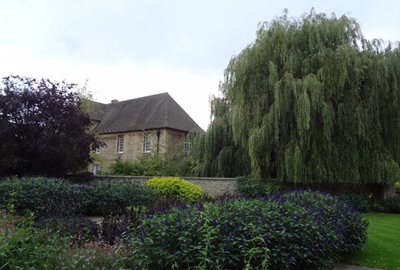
[137,127]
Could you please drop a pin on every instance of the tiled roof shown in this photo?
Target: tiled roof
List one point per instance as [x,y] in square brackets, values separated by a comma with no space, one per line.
[96,111]
[150,112]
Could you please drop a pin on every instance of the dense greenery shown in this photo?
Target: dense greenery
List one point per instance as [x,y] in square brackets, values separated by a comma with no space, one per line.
[24,247]
[215,153]
[58,197]
[43,129]
[382,248]
[44,196]
[298,230]
[397,186]
[312,101]
[357,201]
[78,229]
[283,230]
[169,164]
[392,204]
[176,188]
[112,196]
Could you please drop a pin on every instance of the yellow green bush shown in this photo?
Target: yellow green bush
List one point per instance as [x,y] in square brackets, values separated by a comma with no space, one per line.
[397,186]
[174,187]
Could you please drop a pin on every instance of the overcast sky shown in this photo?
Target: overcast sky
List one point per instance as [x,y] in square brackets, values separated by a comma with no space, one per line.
[128,49]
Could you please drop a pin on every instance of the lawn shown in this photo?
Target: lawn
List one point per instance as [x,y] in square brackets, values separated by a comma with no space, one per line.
[383,246]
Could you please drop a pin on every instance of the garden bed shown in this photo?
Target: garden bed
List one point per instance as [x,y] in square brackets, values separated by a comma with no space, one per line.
[148,227]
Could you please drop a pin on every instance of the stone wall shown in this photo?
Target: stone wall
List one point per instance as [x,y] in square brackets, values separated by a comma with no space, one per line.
[211,185]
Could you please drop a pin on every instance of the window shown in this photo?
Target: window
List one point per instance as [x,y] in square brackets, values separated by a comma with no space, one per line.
[120,144]
[95,169]
[187,145]
[147,143]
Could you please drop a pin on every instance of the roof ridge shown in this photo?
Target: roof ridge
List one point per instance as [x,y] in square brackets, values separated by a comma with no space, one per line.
[126,100]
[94,101]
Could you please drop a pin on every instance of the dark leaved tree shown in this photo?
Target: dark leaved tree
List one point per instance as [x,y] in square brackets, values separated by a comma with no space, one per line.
[43,130]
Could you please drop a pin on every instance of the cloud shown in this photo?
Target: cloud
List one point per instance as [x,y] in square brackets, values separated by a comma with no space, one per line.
[124,80]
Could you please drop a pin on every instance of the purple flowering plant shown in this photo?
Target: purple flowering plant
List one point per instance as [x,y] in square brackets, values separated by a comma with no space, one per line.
[293,230]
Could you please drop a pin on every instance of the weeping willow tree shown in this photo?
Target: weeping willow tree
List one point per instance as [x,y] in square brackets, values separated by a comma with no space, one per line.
[215,152]
[312,101]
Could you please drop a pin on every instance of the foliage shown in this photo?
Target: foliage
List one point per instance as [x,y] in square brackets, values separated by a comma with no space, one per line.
[397,186]
[24,247]
[78,228]
[312,101]
[255,188]
[52,197]
[392,204]
[298,230]
[381,250]
[126,167]
[215,153]
[113,227]
[113,197]
[44,196]
[174,187]
[169,164]
[43,130]
[359,202]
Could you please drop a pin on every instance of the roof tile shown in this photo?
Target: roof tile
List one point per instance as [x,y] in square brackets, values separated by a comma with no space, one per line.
[150,112]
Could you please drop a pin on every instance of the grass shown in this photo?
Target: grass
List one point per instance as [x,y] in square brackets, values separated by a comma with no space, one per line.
[383,245]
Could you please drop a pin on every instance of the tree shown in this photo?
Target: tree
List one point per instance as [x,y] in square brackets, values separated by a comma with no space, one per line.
[313,101]
[43,130]
[214,152]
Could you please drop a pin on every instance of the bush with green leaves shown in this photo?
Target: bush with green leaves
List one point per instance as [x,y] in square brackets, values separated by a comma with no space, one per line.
[126,167]
[170,164]
[174,187]
[58,197]
[397,186]
[24,247]
[358,201]
[44,196]
[78,228]
[114,196]
[297,230]
[392,204]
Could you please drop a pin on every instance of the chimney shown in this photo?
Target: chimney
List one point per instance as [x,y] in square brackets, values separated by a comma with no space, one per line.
[114,101]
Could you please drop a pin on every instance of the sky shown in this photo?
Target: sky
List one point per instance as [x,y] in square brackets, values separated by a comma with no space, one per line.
[127,49]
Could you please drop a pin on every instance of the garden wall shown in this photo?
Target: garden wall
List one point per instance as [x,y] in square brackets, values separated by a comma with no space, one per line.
[212,185]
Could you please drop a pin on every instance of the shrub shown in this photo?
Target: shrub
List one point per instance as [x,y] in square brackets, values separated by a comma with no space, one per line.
[24,247]
[397,187]
[107,197]
[57,197]
[44,196]
[174,187]
[171,164]
[392,204]
[359,202]
[79,229]
[126,167]
[298,230]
